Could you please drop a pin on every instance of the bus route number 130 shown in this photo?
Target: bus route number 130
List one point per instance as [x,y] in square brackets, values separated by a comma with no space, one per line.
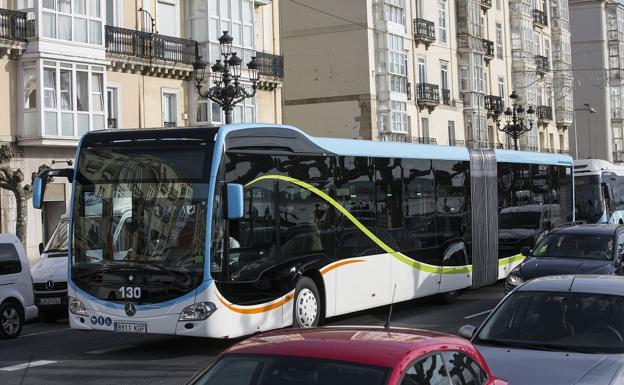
[129,292]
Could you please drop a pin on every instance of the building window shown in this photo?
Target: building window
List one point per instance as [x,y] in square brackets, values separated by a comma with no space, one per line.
[444,75]
[166,14]
[422,70]
[464,78]
[197,13]
[235,16]
[424,127]
[169,108]
[451,132]
[112,107]
[397,64]
[215,113]
[80,20]
[442,22]
[398,116]
[478,78]
[66,89]
[498,5]
[394,11]
[499,41]
[113,12]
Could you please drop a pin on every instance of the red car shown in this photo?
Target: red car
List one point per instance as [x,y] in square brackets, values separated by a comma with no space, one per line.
[353,355]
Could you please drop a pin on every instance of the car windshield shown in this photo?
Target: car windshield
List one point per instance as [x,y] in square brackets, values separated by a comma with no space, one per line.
[585,246]
[565,321]
[282,370]
[588,198]
[58,242]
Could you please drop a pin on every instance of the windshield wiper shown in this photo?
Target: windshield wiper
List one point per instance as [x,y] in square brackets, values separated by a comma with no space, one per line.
[55,251]
[522,345]
[156,266]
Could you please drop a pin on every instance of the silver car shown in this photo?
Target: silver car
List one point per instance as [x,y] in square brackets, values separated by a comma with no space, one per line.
[560,330]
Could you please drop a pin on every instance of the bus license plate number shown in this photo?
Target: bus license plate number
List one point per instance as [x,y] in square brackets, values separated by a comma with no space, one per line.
[130,327]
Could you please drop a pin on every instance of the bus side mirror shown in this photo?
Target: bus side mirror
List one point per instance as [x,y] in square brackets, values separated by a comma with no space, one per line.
[234,201]
[41,179]
[38,191]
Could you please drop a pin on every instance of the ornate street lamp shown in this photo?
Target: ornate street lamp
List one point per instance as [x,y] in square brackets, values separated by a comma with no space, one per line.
[227,90]
[518,120]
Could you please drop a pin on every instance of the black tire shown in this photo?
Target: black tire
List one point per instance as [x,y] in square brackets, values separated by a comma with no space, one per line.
[449,298]
[307,305]
[11,320]
[49,316]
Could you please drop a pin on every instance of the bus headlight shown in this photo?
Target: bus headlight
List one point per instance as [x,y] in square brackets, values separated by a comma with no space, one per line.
[197,311]
[77,307]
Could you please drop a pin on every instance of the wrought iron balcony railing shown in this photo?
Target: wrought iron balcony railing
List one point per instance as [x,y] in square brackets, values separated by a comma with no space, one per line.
[169,124]
[539,18]
[456,142]
[12,25]
[486,4]
[424,31]
[544,113]
[493,104]
[488,49]
[423,140]
[446,96]
[542,63]
[111,122]
[427,94]
[152,46]
[271,65]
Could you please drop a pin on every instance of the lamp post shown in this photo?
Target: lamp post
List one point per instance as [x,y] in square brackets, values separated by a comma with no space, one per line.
[590,110]
[227,91]
[518,120]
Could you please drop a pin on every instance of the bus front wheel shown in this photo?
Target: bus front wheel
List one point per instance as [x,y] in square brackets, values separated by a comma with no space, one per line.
[307,306]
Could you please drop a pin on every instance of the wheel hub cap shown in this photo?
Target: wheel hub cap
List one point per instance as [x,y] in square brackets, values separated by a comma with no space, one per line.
[10,321]
[306,308]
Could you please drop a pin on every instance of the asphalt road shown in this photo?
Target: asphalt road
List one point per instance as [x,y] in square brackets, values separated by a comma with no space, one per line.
[58,355]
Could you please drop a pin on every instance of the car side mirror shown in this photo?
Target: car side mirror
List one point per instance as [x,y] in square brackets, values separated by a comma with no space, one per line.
[526,251]
[41,248]
[467,331]
[235,209]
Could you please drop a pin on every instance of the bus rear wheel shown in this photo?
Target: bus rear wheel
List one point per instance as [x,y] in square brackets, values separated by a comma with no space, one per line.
[307,306]
[449,298]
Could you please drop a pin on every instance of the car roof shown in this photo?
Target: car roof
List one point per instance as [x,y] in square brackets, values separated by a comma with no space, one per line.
[597,229]
[595,284]
[361,345]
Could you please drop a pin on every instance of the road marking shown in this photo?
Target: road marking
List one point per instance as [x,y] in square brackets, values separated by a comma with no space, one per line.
[46,332]
[27,365]
[479,314]
[111,349]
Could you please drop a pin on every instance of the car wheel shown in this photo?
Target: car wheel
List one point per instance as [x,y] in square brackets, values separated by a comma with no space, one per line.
[307,306]
[449,298]
[49,316]
[11,320]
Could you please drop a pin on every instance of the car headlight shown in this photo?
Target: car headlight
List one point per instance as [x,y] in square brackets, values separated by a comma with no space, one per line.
[513,279]
[77,307]
[197,311]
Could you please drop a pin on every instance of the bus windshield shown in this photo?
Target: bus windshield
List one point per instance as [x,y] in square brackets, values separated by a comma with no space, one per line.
[141,211]
[588,197]
[58,242]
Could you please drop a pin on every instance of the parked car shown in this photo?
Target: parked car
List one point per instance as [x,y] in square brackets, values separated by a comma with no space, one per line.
[582,249]
[557,330]
[349,355]
[50,275]
[16,297]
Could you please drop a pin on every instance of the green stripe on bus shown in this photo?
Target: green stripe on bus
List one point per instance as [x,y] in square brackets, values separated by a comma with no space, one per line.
[397,255]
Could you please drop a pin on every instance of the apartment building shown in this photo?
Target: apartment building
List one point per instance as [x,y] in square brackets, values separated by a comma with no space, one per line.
[598,50]
[68,67]
[427,71]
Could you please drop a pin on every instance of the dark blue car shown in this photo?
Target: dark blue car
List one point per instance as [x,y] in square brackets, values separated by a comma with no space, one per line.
[582,249]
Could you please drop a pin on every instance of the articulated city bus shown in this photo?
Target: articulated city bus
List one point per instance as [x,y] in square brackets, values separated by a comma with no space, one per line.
[223,232]
[599,191]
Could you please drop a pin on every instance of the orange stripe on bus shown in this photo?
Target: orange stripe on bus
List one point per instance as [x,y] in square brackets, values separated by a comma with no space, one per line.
[261,309]
[337,265]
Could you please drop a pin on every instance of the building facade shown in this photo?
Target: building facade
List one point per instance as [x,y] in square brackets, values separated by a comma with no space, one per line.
[598,51]
[426,71]
[68,67]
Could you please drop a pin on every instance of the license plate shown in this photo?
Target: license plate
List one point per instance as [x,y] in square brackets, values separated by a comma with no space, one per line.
[130,327]
[50,301]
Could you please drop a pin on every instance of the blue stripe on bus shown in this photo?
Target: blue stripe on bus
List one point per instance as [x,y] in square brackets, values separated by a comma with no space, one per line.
[533,157]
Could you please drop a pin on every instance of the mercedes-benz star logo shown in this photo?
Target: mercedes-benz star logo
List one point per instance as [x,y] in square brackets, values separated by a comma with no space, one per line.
[50,285]
[130,309]
[131,278]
